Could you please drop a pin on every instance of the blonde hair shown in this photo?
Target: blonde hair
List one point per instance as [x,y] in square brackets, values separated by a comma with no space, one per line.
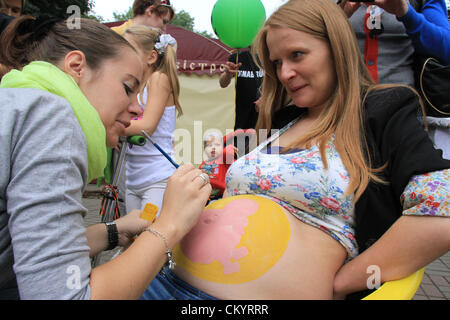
[210,137]
[344,116]
[146,38]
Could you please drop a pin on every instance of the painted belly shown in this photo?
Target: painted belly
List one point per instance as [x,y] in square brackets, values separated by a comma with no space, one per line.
[236,240]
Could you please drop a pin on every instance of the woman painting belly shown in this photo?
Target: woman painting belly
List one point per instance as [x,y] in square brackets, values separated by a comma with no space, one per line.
[283,233]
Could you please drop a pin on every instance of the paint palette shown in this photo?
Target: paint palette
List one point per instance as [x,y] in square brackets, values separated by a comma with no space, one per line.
[149,212]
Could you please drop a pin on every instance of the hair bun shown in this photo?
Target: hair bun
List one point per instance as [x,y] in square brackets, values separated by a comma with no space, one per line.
[43,25]
[38,27]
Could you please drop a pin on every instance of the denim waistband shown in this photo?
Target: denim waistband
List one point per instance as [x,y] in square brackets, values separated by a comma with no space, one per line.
[171,277]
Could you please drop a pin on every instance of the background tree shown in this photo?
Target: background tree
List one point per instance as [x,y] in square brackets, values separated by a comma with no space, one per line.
[92,15]
[205,34]
[124,15]
[58,8]
[182,19]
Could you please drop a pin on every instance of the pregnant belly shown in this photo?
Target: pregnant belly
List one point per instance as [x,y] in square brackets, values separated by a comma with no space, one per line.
[248,247]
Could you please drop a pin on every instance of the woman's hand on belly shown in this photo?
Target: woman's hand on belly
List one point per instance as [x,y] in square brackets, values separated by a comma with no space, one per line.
[248,247]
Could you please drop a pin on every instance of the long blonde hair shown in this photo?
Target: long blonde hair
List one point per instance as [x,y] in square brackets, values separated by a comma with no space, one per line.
[344,116]
[146,38]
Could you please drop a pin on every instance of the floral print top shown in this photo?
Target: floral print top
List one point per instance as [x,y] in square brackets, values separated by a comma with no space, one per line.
[299,183]
[428,195]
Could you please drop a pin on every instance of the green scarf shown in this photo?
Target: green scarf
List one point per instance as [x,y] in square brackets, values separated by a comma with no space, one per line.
[45,76]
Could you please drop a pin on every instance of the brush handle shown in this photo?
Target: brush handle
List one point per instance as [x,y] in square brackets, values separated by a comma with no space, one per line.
[160,149]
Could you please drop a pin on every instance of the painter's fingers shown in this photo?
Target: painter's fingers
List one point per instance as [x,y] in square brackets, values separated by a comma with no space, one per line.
[183,170]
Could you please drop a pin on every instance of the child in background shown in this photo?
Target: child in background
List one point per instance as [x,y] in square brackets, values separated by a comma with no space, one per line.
[220,153]
[147,169]
[218,160]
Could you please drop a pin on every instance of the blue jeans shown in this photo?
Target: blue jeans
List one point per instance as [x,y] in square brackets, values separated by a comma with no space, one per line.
[167,286]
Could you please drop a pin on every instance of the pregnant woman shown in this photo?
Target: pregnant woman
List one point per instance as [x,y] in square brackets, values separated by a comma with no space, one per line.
[349,181]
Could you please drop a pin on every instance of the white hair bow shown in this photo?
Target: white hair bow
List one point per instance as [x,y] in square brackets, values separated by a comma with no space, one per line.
[164,40]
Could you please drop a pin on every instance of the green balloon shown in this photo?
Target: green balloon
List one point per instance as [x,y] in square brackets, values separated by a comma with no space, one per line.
[236,22]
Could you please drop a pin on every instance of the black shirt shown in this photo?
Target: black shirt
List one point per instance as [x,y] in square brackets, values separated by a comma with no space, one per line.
[249,80]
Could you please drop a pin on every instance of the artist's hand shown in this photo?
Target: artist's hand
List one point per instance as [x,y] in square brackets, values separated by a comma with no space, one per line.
[184,199]
[129,226]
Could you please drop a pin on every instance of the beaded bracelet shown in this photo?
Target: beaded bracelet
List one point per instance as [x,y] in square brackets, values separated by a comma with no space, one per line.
[170,260]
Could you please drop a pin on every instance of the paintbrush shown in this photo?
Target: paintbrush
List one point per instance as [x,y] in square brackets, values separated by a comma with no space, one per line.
[160,149]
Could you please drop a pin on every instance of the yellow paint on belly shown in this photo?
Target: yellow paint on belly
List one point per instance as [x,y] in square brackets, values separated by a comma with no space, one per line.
[263,241]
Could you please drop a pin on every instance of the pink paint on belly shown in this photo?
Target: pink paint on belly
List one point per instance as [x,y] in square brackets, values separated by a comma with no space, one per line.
[217,234]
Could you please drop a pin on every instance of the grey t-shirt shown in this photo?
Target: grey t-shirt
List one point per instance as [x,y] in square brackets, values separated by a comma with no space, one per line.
[43,171]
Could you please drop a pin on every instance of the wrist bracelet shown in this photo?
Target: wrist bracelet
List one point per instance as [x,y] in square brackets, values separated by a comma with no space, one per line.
[113,235]
[170,262]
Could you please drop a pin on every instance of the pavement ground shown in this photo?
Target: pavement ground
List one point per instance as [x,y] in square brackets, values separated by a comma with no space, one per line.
[435,283]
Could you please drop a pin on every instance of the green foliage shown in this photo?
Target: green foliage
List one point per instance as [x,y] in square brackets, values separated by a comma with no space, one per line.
[94,16]
[59,8]
[124,15]
[184,20]
[205,34]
